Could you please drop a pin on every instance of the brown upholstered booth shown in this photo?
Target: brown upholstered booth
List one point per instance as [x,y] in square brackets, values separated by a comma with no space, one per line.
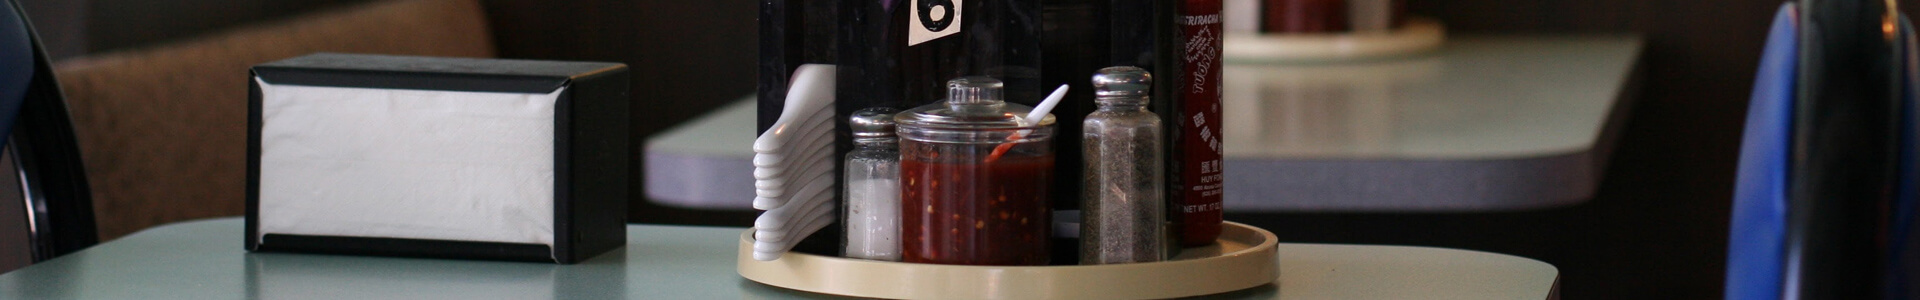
[162,129]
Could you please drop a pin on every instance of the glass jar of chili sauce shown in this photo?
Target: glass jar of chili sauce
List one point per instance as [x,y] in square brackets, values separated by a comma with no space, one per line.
[974,176]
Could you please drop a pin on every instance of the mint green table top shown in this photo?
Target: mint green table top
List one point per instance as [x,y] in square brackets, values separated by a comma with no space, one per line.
[204,260]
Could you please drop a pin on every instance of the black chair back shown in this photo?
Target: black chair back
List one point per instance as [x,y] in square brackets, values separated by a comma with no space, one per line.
[45,157]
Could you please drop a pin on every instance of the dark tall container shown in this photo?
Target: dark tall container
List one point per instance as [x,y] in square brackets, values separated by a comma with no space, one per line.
[1196,156]
[896,53]
[1031,45]
[1844,141]
[1076,45]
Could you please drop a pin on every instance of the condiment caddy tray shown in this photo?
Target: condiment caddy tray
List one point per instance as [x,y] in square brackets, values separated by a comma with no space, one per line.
[1244,257]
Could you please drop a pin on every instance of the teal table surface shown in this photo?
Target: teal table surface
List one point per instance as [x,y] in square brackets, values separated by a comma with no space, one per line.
[204,260]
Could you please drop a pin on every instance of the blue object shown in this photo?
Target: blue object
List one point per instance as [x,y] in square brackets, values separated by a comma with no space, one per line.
[17,55]
[1755,259]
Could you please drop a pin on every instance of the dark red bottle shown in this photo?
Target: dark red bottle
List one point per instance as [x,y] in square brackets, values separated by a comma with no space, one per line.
[1305,16]
[1194,124]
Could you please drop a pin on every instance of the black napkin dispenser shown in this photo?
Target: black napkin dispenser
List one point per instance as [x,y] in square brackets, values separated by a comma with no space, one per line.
[438,157]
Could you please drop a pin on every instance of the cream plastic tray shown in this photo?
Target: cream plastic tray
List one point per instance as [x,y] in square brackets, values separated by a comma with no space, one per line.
[1244,257]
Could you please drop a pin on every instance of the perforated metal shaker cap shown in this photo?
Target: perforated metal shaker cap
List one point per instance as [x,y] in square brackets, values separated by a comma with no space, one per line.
[873,122]
[1122,82]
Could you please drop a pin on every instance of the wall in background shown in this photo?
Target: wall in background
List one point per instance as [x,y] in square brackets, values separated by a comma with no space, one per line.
[688,57]
[60,24]
[119,24]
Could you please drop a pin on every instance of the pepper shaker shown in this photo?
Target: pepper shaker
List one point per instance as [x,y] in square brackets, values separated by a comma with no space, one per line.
[1122,203]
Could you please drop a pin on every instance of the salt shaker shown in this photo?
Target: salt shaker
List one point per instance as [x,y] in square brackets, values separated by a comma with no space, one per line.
[873,187]
[1122,207]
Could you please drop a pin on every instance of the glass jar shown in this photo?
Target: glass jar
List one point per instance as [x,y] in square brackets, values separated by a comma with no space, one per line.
[975,176]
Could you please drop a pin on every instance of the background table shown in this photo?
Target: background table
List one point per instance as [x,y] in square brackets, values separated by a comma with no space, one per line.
[1485,123]
[204,260]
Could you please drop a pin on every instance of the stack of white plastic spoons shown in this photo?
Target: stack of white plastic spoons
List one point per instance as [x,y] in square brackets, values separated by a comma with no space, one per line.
[793,166]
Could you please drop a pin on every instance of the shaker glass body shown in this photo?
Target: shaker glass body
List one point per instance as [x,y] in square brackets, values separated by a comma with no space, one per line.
[1122,204]
[873,201]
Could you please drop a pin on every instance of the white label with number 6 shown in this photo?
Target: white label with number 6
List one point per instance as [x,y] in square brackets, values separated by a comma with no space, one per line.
[933,19]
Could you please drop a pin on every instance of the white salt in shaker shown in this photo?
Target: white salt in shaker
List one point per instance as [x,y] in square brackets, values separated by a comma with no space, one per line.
[873,187]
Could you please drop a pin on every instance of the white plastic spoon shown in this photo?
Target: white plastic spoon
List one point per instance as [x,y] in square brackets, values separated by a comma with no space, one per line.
[804,158]
[814,214]
[781,239]
[812,88]
[812,125]
[773,187]
[1033,118]
[788,196]
[763,255]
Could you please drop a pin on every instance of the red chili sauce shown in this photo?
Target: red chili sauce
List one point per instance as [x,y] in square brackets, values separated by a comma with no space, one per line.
[973,212]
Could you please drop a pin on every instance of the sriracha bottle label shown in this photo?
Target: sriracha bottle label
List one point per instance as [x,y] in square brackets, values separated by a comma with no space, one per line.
[1198,24]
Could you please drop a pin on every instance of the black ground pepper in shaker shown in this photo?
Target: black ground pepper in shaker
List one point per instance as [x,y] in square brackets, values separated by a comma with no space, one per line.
[1122,203]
